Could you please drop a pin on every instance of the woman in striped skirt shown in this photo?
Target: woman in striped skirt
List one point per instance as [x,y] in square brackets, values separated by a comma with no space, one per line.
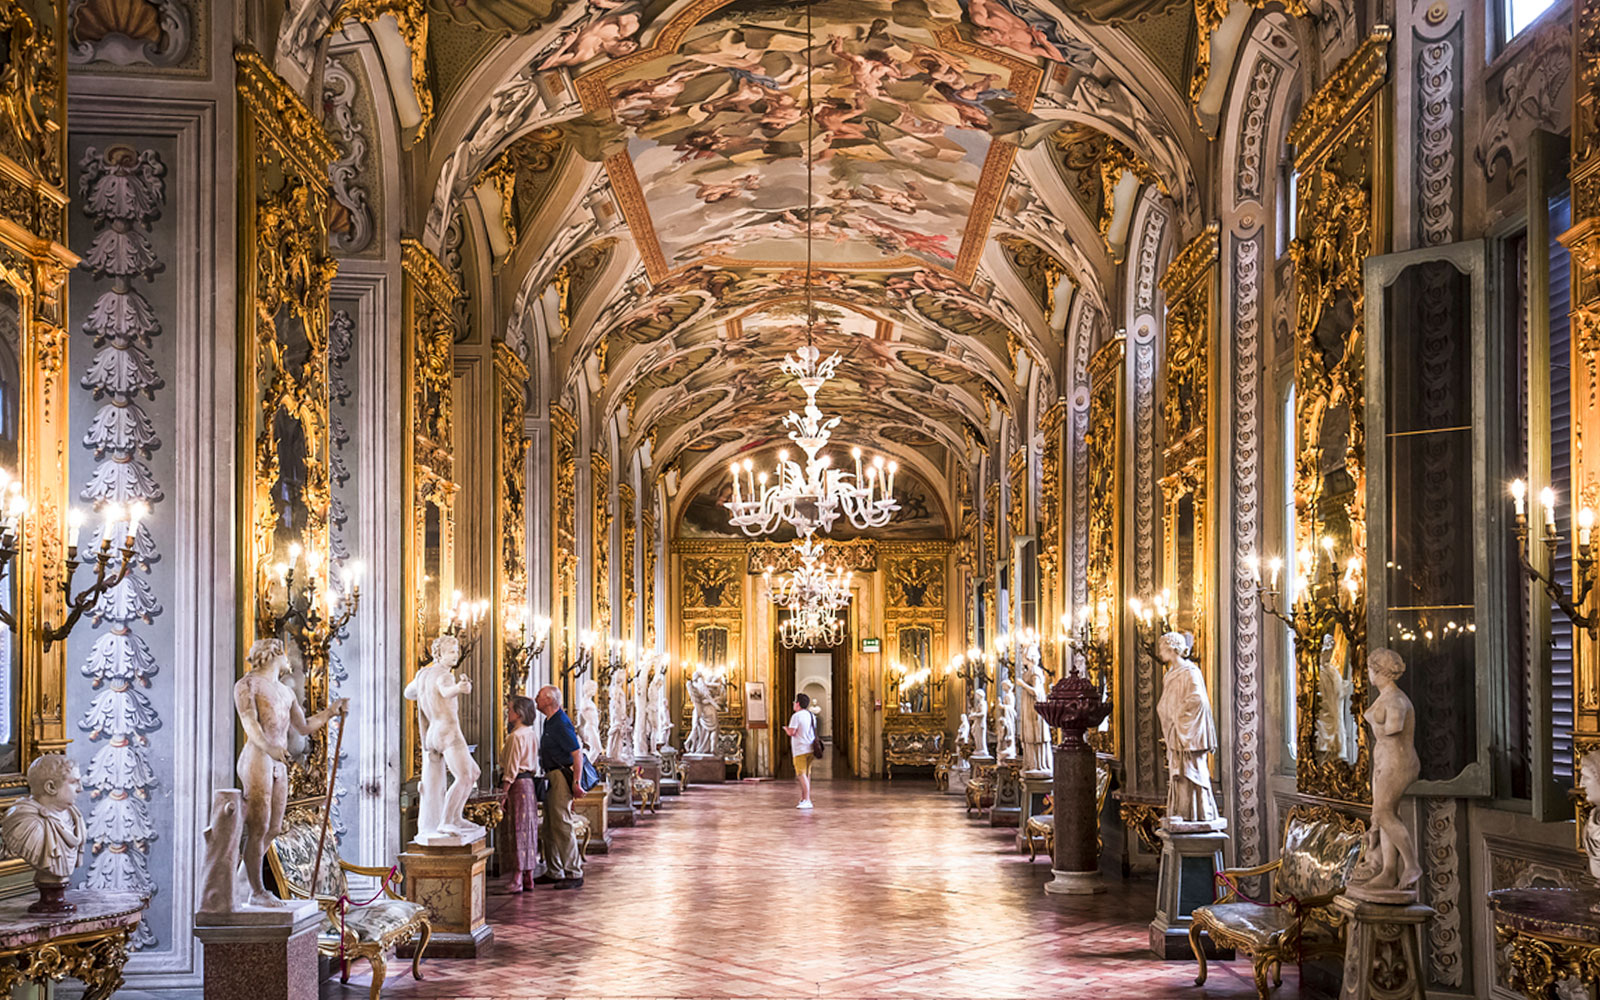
[519,829]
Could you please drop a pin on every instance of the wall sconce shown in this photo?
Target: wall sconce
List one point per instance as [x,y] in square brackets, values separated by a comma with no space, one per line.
[525,640]
[104,580]
[1308,615]
[1585,572]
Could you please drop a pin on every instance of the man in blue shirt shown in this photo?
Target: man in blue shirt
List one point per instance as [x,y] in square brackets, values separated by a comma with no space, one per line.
[561,757]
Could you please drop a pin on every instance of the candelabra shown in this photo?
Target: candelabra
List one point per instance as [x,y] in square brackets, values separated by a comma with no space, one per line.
[104,577]
[811,627]
[1085,639]
[306,606]
[1151,620]
[465,623]
[525,640]
[971,667]
[907,682]
[1585,570]
[1310,613]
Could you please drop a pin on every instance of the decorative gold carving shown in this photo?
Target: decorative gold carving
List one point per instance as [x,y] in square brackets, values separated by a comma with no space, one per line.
[1048,523]
[857,554]
[94,958]
[1093,155]
[915,586]
[1103,443]
[1338,138]
[711,583]
[285,277]
[1017,493]
[533,153]
[600,542]
[991,522]
[1040,269]
[429,297]
[412,20]
[647,541]
[628,534]
[564,533]
[511,458]
[1208,15]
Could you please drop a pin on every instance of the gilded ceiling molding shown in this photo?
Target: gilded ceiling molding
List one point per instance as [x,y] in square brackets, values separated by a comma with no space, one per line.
[1040,268]
[1208,16]
[411,18]
[1092,153]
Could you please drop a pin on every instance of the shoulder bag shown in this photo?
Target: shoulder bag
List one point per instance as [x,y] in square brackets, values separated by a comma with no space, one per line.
[817,748]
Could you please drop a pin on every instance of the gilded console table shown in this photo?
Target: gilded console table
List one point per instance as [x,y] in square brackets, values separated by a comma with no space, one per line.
[90,945]
[1549,934]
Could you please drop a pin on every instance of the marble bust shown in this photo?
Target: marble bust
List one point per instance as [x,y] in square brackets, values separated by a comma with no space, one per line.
[46,830]
[1388,870]
[441,807]
[268,710]
[1190,731]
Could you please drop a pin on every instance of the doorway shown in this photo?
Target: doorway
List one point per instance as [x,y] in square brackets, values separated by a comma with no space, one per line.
[814,671]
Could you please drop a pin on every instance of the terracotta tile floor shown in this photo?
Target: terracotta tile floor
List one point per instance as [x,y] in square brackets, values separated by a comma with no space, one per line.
[886,890]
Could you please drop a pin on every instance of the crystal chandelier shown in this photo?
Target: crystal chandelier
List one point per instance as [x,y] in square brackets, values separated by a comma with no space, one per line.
[813,496]
[811,628]
[813,583]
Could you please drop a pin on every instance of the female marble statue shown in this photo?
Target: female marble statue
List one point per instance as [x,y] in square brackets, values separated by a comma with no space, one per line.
[1191,735]
[964,731]
[660,710]
[588,716]
[1035,732]
[1007,748]
[978,718]
[1388,870]
[1336,724]
[703,727]
[1589,781]
[641,710]
[619,741]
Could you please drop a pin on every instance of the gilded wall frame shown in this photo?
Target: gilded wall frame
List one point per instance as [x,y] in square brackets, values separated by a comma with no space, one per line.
[647,578]
[1103,465]
[564,537]
[600,543]
[34,264]
[429,296]
[1188,412]
[1049,520]
[627,539]
[510,528]
[285,277]
[711,595]
[1341,141]
[916,596]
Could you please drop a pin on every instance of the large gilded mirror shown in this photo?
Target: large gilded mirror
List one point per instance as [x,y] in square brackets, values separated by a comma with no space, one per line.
[12,394]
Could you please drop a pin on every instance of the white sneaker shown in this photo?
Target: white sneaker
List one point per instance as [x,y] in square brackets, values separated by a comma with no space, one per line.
[804,805]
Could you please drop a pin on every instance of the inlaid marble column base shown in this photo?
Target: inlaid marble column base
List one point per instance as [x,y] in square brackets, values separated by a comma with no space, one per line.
[452,882]
[704,769]
[1075,883]
[1189,864]
[262,957]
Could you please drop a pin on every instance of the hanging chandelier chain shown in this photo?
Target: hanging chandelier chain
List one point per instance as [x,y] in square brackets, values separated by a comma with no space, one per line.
[811,44]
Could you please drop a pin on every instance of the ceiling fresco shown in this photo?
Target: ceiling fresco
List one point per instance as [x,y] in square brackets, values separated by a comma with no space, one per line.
[907,170]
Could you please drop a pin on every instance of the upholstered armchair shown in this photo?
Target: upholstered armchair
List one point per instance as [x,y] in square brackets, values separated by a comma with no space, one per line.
[372,931]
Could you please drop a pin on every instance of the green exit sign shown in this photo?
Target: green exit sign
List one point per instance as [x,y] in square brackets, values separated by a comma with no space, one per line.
[871,645]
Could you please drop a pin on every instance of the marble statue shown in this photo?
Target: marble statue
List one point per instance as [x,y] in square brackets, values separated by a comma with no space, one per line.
[1388,869]
[223,888]
[1589,781]
[660,711]
[619,739]
[1034,731]
[1191,735]
[268,710]
[703,691]
[978,718]
[641,712]
[45,829]
[964,731]
[1008,720]
[1335,733]
[588,723]
[440,809]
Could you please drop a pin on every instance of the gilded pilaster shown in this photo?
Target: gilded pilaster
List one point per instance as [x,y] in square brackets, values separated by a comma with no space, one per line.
[627,537]
[600,542]
[510,528]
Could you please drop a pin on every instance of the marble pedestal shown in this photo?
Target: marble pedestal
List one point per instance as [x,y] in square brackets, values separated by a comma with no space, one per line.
[1036,787]
[649,769]
[261,954]
[592,807]
[1383,947]
[960,774]
[619,795]
[451,881]
[704,769]
[1007,808]
[1076,864]
[1189,864]
[669,764]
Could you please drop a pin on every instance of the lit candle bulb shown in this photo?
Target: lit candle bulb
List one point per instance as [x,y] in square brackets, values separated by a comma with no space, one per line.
[1547,497]
[74,527]
[1519,496]
[737,493]
[113,514]
[888,494]
[1254,565]
[1585,525]
[136,513]
[1277,567]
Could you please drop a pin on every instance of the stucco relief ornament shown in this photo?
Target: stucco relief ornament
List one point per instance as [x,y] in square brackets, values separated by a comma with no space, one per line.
[45,829]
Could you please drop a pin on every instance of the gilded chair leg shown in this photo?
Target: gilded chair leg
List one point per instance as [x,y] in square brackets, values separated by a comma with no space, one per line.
[380,969]
[1262,989]
[1033,851]
[422,946]
[344,970]
[1277,972]
[1199,954]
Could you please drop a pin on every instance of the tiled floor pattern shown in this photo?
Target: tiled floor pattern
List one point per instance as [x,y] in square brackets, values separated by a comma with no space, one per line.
[886,890]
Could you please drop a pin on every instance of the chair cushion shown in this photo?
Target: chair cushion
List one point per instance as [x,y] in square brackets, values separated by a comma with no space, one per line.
[296,848]
[371,922]
[1318,855]
[1256,925]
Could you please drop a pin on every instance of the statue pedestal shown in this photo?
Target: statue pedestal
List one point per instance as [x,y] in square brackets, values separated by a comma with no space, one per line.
[650,770]
[619,795]
[960,775]
[670,785]
[1076,865]
[1189,864]
[704,769]
[592,807]
[1007,808]
[261,954]
[1036,788]
[452,883]
[1382,949]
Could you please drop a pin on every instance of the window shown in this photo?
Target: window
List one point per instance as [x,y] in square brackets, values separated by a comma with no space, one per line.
[1518,15]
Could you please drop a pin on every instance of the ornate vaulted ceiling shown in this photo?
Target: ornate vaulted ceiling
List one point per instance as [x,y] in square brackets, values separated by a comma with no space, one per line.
[964,155]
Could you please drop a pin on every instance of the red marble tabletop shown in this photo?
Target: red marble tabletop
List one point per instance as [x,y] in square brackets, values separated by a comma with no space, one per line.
[97,911]
[1565,913]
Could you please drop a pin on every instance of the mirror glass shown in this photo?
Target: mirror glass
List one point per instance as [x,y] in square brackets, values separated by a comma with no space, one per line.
[916,653]
[431,598]
[291,511]
[11,390]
